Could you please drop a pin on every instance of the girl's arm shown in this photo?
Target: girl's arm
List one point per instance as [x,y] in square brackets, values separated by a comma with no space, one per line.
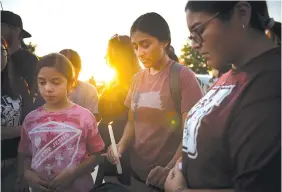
[68,175]
[10,132]
[125,141]
[95,146]
[88,165]
[30,177]
[24,163]
[24,152]
[128,133]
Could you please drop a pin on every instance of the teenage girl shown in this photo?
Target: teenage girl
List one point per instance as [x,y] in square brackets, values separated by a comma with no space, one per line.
[56,136]
[153,131]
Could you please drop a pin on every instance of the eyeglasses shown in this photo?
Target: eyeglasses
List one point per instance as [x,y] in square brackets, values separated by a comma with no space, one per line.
[195,36]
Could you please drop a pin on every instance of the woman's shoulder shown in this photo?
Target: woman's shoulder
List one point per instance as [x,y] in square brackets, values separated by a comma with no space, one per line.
[264,72]
[24,56]
[186,70]
[85,89]
[83,112]
[85,115]
[85,85]
[187,73]
[269,61]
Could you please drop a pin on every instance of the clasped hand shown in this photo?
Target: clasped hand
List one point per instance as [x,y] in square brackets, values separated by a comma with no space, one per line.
[157,176]
[58,184]
[175,180]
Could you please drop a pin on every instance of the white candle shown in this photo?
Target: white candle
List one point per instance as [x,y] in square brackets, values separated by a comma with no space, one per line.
[114,147]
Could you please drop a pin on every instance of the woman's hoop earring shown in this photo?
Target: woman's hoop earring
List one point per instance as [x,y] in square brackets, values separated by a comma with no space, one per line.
[243,26]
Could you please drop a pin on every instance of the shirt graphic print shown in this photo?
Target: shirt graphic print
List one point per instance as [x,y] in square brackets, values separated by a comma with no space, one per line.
[148,99]
[191,127]
[62,149]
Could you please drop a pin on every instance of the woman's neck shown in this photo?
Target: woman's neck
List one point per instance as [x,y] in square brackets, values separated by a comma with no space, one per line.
[58,106]
[257,45]
[160,65]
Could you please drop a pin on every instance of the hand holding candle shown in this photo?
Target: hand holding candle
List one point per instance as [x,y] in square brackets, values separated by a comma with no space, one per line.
[114,147]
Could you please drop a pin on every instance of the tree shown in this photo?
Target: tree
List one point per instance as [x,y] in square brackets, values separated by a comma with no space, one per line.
[30,47]
[194,60]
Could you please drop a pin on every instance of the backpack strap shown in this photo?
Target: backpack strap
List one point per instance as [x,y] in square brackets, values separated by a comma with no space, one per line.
[175,89]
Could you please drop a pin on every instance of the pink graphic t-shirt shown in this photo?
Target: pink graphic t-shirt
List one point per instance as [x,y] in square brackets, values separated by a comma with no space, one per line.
[59,140]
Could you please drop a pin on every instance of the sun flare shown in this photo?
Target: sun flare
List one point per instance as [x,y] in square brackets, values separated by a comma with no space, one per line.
[101,73]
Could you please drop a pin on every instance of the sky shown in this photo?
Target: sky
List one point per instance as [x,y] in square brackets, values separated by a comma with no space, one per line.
[87,25]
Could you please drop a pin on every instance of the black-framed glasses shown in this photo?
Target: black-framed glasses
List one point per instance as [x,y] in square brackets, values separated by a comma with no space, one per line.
[196,37]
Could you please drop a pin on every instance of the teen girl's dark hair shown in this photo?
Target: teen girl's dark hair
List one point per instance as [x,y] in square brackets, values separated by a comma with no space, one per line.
[156,26]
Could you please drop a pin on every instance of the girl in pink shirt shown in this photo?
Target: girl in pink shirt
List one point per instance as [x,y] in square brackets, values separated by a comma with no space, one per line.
[56,137]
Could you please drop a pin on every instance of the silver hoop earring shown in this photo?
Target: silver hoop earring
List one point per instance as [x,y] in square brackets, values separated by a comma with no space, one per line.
[243,26]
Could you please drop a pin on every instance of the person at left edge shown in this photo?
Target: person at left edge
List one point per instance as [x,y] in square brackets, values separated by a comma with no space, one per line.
[23,60]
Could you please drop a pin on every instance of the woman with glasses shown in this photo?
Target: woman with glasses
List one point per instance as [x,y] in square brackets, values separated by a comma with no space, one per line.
[154,127]
[15,104]
[232,136]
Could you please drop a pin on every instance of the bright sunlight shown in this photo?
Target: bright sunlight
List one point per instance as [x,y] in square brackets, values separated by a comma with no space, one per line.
[90,38]
[103,73]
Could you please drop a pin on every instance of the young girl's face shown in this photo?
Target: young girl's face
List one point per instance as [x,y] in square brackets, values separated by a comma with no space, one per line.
[53,86]
[148,48]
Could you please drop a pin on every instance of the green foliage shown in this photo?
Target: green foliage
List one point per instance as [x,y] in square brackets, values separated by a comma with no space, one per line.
[31,47]
[194,60]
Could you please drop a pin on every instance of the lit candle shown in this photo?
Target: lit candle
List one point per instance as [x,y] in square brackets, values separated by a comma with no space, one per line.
[114,147]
